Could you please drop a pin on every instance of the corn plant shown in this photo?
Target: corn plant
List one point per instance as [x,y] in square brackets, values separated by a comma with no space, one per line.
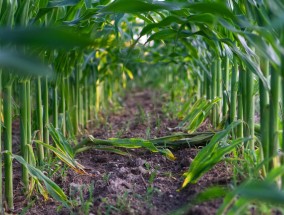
[66,60]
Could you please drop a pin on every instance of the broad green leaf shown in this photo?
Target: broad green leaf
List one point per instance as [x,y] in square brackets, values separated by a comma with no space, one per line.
[23,65]
[88,3]
[62,3]
[211,154]
[250,64]
[60,141]
[64,157]
[138,6]
[163,35]
[53,189]
[216,8]
[165,22]
[48,38]
[261,191]
[131,143]
[250,193]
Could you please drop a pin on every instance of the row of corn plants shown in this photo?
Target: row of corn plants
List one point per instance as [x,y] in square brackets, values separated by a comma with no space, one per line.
[50,74]
[62,61]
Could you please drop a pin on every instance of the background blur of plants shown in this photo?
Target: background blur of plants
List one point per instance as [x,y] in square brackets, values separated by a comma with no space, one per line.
[65,61]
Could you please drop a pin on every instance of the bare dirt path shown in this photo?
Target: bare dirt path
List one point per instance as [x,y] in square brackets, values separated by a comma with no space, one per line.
[143,183]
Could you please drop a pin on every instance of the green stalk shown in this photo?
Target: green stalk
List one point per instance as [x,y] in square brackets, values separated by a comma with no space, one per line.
[264,114]
[24,132]
[244,96]
[203,88]
[205,83]
[7,92]
[40,149]
[199,90]
[208,87]
[213,93]
[250,109]
[55,106]
[282,81]
[240,107]
[86,102]
[77,100]
[225,86]
[90,104]
[219,88]
[234,90]
[29,112]
[63,121]
[274,115]
[1,174]
[81,107]
[68,103]
[45,113]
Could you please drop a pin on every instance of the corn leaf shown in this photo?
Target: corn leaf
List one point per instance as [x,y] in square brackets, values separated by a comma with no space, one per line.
[138,6]
[211,154]
[23,65]
[53,189]
[48,38]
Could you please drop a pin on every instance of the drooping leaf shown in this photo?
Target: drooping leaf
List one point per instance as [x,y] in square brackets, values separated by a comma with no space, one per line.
[62,3]
[64,157]
[251,192]
[53,189]
[48,38]
[211,154]
[23,65]
[137,6]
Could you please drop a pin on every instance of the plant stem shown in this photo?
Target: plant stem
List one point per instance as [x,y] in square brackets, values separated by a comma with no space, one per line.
[1,173]
[8,144]
[264,114]
[250,109]
[63,119]
[274,115]
[40,149]
[24,132]
[225,86]
[45,113]
[55,106]
[234,90]
[214,92]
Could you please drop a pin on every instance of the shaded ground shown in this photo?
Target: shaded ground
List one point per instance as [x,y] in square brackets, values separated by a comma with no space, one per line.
[143,183]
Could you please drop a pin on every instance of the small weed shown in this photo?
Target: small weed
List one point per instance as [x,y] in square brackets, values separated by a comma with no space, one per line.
[158,122]
[30,205]
[122,205]
[119,133]
[148,132]
[106,177]
[141,114]
[151,188]
[148,166]
[168,174]
[81,204]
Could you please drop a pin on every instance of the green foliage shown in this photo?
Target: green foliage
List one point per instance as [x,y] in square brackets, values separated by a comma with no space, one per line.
[253,192]
[90,53]
[22,65]
[62,150]
[199,111]
[132,143]
[212,154]
[138,6]
[53,189]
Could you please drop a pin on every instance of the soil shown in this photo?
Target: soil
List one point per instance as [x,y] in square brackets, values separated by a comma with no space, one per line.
[141,183]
